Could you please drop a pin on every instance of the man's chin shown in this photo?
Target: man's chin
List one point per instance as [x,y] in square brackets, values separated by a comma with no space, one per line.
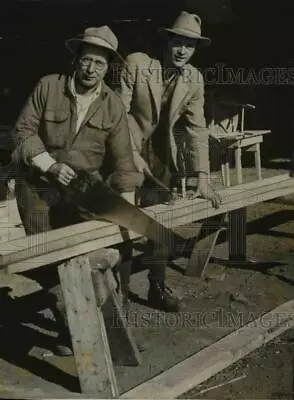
[179,64]
[89,84]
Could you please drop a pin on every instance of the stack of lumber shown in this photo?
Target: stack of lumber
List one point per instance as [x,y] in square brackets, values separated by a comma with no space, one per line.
[31,252]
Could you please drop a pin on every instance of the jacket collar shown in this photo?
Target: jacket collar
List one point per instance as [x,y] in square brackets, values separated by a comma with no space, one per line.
[155,82]
[68,91]
[154,78]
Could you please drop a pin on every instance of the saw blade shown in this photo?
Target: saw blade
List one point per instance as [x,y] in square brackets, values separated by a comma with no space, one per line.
[93,195]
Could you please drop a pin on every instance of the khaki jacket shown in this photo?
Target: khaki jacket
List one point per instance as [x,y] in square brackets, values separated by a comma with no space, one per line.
[48,123]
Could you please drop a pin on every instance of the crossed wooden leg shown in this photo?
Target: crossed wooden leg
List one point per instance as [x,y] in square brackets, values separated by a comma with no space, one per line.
[89,292]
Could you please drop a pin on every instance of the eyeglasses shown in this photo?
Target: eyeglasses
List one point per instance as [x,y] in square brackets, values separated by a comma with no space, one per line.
[99,65]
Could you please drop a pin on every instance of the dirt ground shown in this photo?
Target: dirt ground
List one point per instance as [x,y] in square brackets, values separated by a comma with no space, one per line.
[166,339]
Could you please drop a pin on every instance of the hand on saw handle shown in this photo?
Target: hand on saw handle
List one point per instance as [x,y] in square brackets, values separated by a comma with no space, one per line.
[141,164]
[63,173]
[202,188]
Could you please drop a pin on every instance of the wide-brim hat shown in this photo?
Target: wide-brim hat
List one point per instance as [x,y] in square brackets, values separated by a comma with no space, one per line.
[189,25]
[100,37]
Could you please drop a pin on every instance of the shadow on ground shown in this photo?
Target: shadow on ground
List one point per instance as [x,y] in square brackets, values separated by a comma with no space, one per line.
[263,226]
[18,339]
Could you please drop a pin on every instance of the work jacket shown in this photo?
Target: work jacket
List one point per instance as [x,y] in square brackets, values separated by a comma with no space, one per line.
[48,123]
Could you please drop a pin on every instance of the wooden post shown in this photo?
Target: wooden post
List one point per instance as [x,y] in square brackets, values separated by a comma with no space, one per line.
[223,173]
[257,161]
[238,164]
[88,333]
[237,235]
[227,174]
[183,187]
[242,119]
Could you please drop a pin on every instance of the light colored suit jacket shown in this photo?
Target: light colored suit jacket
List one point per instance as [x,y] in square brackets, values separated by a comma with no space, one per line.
[140,89]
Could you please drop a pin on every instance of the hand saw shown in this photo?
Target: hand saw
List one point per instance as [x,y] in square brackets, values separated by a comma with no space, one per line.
[101,201]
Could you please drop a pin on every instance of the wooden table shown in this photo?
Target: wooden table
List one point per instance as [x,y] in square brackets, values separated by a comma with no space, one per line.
[248,140]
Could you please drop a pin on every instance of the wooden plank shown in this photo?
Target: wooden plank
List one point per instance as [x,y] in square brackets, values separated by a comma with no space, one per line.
[63,235]
[237,199]
[248,141]
[41,243]
[257,132]
[166,214]
[20,392]
[215,358]
[226,192]
[64,254]
[186,207]
[86,324]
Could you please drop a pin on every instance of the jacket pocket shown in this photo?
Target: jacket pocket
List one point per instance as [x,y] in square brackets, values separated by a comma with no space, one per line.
[55,116]
[99,123]
[56,127]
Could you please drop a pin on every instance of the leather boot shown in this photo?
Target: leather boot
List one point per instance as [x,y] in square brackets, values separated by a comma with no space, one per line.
[161,297]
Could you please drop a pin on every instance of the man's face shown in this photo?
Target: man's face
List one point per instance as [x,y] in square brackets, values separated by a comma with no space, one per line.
[92,65]
[180,49]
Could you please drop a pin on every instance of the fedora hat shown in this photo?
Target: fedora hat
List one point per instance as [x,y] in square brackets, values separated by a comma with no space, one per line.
[189,25]
[100,37]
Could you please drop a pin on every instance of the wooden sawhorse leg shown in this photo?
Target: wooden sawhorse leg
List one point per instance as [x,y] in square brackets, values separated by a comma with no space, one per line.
[225,167]
[87,329]
[202,250]
[123,348]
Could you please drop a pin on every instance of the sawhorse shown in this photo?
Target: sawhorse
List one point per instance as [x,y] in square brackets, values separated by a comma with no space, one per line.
[97,323]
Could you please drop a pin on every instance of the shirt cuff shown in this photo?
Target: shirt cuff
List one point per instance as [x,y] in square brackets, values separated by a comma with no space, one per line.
[43,161]
[129,196]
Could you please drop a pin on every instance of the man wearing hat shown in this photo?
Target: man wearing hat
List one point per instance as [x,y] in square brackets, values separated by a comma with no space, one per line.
[164,98]
[72,123]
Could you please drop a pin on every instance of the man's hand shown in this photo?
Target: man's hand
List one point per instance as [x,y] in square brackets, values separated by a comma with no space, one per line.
[205,190]
[62,173]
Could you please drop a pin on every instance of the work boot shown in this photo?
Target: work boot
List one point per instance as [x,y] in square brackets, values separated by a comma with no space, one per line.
[64,345]
[161,297]
[63,351]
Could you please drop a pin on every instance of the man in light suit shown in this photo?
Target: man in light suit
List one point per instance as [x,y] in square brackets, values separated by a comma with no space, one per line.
[164,98]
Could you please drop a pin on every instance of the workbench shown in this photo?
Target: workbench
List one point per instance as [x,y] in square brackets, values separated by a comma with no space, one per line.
[71,248]
[236,142]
